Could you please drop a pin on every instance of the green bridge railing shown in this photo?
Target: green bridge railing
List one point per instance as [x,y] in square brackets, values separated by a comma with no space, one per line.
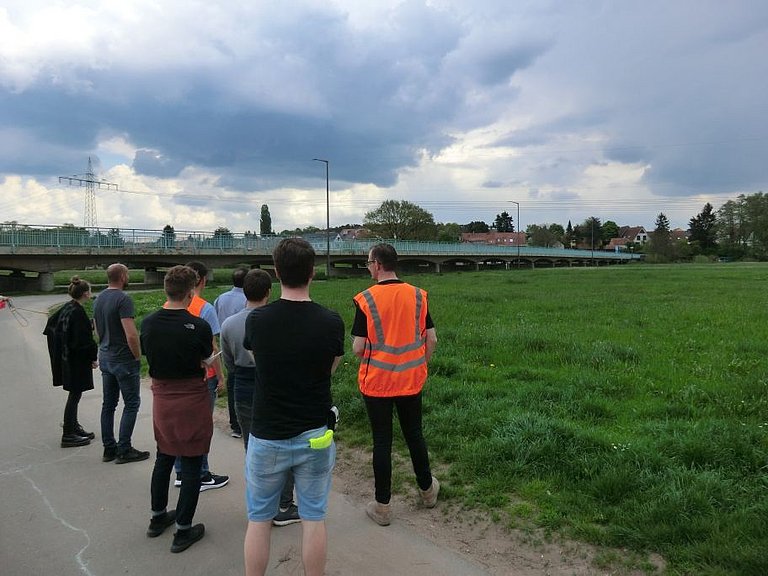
[29,238]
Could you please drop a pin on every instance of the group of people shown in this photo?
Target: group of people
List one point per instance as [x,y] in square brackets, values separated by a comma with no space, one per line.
[280,357]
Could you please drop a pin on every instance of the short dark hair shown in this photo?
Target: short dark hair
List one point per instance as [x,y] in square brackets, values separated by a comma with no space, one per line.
[294,262]
[78,287]
[385,255]
[257,284]
[178,282]
[238,275]
[200,268]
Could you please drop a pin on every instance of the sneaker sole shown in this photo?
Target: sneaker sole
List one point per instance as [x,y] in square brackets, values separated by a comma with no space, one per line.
[74,444]
[205,487]
[286,522]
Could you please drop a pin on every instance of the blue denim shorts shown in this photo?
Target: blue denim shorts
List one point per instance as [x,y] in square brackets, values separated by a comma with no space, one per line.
[267,463]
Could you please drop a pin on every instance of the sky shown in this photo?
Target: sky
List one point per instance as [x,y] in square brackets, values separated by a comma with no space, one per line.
[202,111]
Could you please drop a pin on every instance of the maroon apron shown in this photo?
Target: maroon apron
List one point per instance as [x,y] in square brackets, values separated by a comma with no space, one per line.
[181,416]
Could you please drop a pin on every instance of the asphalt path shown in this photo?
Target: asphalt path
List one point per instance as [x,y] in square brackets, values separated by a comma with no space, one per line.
[65,512]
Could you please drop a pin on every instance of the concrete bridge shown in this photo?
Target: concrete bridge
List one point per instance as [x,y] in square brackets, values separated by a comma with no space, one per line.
[31,254]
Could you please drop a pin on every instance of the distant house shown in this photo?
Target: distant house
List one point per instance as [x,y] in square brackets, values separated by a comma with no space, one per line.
[679,234]
[352,234]
[628,235]
[495,238]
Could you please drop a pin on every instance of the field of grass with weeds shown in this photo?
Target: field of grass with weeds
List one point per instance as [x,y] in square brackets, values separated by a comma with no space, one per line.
[625,406]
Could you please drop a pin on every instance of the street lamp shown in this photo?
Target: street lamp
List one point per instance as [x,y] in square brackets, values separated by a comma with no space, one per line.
[518,231]
[327,219]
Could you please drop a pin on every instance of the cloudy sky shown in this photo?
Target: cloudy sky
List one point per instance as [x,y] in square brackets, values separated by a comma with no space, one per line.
[202,111]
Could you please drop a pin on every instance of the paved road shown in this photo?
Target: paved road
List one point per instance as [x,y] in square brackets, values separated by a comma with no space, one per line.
[64,512]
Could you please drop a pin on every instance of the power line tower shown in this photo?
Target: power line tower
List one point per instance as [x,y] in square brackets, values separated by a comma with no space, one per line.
[89,181]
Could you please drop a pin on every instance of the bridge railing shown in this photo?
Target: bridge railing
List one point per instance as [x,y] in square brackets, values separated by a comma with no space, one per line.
[145,241]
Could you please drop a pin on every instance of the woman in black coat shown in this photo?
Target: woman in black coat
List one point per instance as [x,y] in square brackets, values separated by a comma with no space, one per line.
[73,358]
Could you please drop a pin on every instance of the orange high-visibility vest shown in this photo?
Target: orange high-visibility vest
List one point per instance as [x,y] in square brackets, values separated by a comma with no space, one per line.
[196,308]
[394,362]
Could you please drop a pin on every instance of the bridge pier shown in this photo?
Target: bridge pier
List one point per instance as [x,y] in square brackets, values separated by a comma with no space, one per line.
[45,281]
[152,277]
[17,281]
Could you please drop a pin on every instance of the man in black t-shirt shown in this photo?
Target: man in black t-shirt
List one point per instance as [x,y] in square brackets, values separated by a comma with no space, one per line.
[177,344]
[297,345]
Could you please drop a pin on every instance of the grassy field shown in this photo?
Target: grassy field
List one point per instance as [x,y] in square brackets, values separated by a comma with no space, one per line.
[624,406]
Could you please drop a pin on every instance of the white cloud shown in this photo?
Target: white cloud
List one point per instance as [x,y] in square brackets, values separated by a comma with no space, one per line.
[573,109]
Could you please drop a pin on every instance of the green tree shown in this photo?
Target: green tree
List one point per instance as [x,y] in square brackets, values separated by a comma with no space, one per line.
[476,227]
[704,231]
[401,220]
[448,232]
[755,216]
[568,237]
[168,239]
[546,235]
[504,223]
[661,241]
[265,223]
[609,230]
[589,233]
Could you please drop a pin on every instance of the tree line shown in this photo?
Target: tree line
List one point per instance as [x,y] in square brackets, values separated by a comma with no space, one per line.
[737,230]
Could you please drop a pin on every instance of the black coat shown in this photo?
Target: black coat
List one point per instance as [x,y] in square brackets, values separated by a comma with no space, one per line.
[71,347]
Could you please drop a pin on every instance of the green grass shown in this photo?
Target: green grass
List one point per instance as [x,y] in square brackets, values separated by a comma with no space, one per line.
[626,406]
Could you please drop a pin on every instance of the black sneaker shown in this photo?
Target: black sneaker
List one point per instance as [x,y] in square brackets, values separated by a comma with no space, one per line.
[288,516]
[177,482]
[109,454]
[131,455]
[211,481]
[183,539]
[158,524]
[74,440]
[236,434]
[80,432]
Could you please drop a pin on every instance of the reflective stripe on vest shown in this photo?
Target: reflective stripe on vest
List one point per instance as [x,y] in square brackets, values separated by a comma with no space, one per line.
[395,362]
[418,339]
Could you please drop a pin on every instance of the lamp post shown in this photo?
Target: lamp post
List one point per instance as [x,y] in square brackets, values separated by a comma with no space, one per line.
[518,231]
[327,219]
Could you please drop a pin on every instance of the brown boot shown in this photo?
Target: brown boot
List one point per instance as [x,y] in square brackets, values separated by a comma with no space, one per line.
[429,496]
[379,513]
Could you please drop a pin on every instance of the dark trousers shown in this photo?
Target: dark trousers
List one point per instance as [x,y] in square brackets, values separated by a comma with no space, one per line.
[409,414]
[188,493]
[70,411]
[233,421]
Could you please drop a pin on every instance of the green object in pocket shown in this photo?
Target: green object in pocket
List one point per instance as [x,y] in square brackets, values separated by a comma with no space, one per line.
[322,442]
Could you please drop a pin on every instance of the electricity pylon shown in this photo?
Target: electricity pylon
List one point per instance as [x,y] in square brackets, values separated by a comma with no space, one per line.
[89,181]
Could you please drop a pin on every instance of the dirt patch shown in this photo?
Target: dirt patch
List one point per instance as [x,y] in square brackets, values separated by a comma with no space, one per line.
[500,550]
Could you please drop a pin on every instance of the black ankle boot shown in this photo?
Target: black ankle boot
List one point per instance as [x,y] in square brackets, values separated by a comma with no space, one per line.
[74,440]
[80,432]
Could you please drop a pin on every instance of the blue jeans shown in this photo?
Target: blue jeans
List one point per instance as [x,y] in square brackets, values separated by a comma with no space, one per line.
[267,465]
[119,379]
[204,469]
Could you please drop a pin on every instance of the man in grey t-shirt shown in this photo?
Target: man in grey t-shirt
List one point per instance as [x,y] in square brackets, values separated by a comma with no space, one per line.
[119,354]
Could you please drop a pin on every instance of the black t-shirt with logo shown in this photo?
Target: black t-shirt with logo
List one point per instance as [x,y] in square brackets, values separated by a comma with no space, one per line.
[175,342]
